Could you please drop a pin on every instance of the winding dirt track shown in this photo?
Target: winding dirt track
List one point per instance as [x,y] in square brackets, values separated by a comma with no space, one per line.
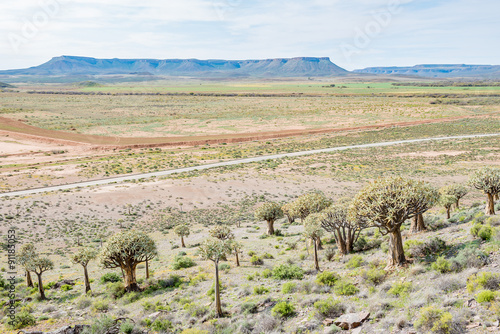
[140,176]
[73,138]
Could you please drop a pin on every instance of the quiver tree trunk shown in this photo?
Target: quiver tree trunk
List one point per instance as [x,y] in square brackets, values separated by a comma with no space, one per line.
[396,251]
[448,214]
[418,225]
[270,227]
[147,269]
[316,262]
[341,245]
[87,281]
[319,243]
[490,205]
[237,259]
[29,281]
[40,287]
[130,279]
[218,306]
[182,242]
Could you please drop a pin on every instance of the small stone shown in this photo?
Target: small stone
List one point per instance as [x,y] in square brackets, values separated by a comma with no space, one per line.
[154,315]
[328,322]
[473,325]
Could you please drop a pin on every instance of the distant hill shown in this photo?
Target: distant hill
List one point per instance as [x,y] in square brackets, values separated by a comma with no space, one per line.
[282,67]
[439,71]
[5,85]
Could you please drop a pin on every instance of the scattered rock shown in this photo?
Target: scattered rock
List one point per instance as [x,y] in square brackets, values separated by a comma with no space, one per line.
[472,303]
[154,315]
[351,320]
[328,322]
[77,329]
[473,325]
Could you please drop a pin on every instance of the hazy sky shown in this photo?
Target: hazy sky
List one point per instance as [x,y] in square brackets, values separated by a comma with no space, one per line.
[353,33]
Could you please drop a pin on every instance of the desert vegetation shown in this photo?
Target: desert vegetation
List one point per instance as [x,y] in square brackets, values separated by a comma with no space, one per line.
[406,238]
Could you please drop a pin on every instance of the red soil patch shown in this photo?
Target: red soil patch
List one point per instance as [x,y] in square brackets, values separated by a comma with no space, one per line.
[62,137]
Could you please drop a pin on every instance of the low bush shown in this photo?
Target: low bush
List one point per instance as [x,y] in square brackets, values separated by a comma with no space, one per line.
[181,262]
[287,272]
[100,305]
[289,287]
[355,262]
[400,289]
[441,265]
[485,296]
[110,278]
[224,266]
[330,308]
[256,261]
[327,278]
[283,310]
[267,273]
[374,276]
[21,320]
[434,320]
[260,290]
[115,290]
[161,325]
[344,288]
[485,280]
[100,325]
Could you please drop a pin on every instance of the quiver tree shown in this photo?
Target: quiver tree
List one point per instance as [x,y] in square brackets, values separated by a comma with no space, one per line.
[182,231]
[457,190]
[429,196]
[447,201]
[306,204]
[39,265]
[221,232]
[215,250]
[286,208]
[487,179]
[126,250]
[270,212]
[314,231]
[336,220]
[386,204]
[25,255]
[309,203]
[236,247]
[83,257]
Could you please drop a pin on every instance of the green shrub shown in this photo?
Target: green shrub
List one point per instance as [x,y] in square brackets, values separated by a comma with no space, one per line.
[181,262]
[101,305]
[475,229]
[400,288]
[485,280]
[344,288]
[485,232]
[283,310]
[434,320]
[100,325]
[329,307]
[287,271]
[327,278]
[256,261]
[194,331]
[355,262]
[267,256]
[289,287]
[127,327]
[115,290]
[131,297]
[160,325]
[83,302]
[224,266]
[110,278]
[21,320]
[374,276]
[266,273]
[485,296]
[249,307]
[66,287]
[441,265]
[260,290]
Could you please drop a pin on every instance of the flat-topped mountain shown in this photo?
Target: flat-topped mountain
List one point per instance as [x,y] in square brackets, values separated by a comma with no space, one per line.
[282,67]
[438,71]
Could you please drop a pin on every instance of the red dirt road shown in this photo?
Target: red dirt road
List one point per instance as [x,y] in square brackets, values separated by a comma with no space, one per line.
[72,138]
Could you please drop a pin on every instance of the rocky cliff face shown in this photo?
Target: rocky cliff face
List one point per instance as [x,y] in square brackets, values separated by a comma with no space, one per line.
[283,67]
[438,71]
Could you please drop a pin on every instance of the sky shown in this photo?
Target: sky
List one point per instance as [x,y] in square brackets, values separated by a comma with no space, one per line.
[353,33]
